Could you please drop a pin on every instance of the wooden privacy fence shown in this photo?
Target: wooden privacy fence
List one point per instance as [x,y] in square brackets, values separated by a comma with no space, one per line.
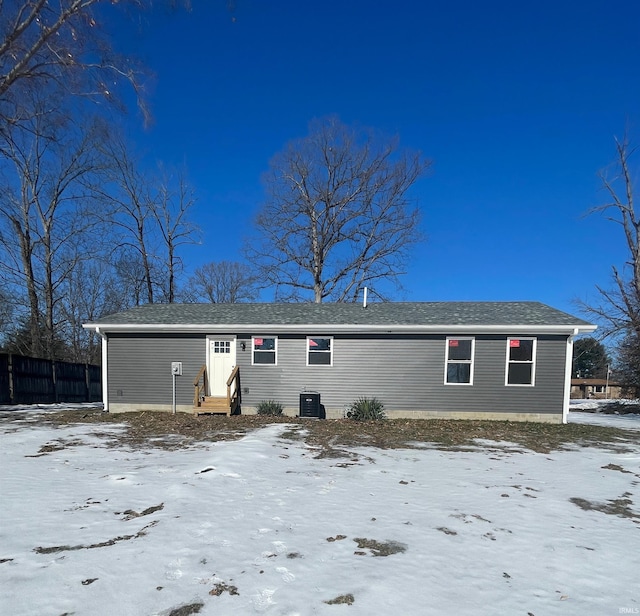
[30,380]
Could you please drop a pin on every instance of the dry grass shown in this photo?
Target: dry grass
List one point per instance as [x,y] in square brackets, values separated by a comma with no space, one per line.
[334,438]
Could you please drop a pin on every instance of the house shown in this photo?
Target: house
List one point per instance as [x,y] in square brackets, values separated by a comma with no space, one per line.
[595,388]
[490,360]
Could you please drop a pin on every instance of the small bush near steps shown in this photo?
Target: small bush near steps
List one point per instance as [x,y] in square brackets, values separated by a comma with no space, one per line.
[365,409]
[270,407]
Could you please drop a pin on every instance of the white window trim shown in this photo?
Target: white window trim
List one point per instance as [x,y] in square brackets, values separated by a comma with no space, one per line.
[254,350]
[471,362]
[533,362]
[330,352]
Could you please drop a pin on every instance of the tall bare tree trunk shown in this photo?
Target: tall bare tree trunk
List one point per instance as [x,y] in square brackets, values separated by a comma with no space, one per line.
[619,308]
[26,256]
[171,214]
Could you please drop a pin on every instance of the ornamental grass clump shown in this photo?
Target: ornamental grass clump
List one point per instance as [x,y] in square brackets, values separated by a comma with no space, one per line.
[364,409]
[270,407]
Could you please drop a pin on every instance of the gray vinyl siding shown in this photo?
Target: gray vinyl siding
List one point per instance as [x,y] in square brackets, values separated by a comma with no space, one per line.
[139,367]
[405,373]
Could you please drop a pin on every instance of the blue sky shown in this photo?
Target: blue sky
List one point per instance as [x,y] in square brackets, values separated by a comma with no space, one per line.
[516,103]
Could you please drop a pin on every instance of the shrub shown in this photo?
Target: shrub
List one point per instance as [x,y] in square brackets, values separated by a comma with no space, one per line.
[366,408]
[270,407]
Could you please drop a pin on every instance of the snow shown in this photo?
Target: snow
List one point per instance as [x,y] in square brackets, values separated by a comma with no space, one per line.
[587,412]
[49,408]
[148,531]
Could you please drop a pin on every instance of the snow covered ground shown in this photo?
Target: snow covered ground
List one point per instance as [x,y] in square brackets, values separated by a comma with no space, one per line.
[587,412]
[260,525]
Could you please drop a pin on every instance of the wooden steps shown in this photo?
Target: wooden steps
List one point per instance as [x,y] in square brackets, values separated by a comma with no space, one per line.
[213,405]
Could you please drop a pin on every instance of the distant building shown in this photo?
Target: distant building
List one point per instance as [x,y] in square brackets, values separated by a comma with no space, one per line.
[596,388]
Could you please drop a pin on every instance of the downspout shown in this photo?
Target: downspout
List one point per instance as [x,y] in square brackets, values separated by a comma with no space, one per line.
[105,383]
[567,376]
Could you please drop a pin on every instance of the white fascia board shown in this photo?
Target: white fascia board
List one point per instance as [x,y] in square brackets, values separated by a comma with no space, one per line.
[341,329]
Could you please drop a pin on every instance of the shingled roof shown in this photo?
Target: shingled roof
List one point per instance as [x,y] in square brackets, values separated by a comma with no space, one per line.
[384,316]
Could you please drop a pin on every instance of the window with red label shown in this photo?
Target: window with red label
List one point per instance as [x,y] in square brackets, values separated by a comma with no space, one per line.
[264,350]
[319,351]
[521,354]
[459,361]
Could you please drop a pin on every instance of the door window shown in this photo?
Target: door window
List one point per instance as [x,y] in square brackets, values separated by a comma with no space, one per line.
[221,346]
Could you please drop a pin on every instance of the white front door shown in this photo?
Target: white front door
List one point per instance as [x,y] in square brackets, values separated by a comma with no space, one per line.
[221,353]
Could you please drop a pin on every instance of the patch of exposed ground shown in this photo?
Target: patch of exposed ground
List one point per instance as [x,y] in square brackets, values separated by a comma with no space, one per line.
[468,518]
[221,587]
[341,600]
[455,434]
[103,544]
[89,581]
[57,445]
[158,429]
[336,437]
[620,507]
[621,469]
[379,548]
[186,610]
[472,518]
[615,467]
[130,514]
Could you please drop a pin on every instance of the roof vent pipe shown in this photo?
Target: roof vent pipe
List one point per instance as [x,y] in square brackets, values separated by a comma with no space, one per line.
[364,298]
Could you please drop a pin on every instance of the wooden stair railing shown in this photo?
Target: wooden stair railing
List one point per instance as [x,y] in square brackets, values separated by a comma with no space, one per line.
[200,390]
[233,390]
[202,403]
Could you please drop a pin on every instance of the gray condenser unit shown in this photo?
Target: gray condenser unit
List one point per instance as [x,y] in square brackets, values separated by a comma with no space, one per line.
[310,404]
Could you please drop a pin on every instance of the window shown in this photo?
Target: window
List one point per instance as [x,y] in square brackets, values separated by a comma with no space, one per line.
[319,351]
[521,354]
[264,350]
[221,346]
[459,361]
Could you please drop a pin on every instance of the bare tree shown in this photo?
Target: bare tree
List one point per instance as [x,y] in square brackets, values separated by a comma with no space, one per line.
[129,207]
[43,42]
[619,307]
[148,214]
[57,53]
[172,217]
[42,206]
[130,277]
[6,313]
[90,291]
[337,216]
[222,282]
